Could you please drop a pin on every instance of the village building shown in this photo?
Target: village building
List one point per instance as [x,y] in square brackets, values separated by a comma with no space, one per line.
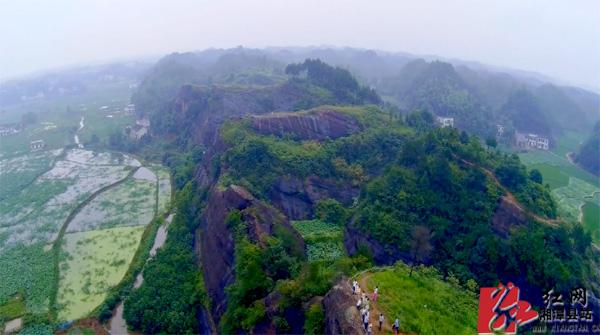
[36,145]
[7,130]
[499,130]
[533,141]
[129,109]
[445,121]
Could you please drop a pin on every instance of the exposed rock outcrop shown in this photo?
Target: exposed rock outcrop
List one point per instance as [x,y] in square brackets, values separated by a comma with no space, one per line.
[296,198]
[215,244]
[341,315]
[355,239]
[318,124]
[507,215]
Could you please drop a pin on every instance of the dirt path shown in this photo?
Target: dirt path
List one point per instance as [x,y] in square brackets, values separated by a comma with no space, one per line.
[374,308]
[509,196]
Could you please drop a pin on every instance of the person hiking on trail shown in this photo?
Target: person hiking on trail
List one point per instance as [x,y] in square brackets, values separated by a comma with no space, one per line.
[370,329]
[354,286]
[366,321]
[375,293]
[380,321]
[396,326]
[358,304]
[358,290]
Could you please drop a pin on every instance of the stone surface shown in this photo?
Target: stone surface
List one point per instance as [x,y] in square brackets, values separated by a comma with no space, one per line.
[341,314]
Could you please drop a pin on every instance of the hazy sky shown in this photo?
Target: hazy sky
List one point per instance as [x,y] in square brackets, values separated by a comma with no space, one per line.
[557,38]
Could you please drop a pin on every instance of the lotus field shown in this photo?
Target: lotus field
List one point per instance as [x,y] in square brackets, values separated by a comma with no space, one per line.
[71,221]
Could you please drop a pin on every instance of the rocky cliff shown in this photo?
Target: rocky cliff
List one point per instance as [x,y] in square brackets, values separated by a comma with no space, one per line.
[215,244]
[318,124]
[341,314]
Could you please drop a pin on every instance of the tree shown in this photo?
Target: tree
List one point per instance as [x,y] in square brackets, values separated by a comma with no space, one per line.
[536,176]
[420,247]
[331,211]
[491,142]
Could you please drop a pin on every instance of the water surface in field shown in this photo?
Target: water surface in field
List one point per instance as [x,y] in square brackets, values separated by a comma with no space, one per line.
[144,173]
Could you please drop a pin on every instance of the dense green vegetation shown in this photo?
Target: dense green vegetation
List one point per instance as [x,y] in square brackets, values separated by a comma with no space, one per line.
[346,90]
[172,289]
[590,151]
[425,181]
[523,109]
[33,278]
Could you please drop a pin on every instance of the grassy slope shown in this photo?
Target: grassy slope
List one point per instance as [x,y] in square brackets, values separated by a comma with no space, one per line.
[410,298]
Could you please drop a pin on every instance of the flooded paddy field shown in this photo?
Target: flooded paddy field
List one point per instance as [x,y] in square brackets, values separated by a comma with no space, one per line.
[70,224]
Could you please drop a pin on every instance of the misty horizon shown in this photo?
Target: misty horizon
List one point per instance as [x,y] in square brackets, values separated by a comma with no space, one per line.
[557,40]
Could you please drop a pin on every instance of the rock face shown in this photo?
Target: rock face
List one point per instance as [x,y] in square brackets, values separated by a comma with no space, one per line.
[198,111]
[215,244]
[296,197]
[506,216]
[341,315]
[314,125]
[354,240]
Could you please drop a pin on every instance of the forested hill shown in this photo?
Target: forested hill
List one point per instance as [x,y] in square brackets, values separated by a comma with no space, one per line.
[589,153]
[478,98]
[284,188]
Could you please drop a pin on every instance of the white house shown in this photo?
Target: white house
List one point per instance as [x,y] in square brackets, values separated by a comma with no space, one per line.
[499,130]
[445,121]
[536,141]
[532,141]
[36,145]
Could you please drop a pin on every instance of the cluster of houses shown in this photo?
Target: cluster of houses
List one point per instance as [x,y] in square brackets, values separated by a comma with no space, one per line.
[6,130]
[127,110]
[525,141]
[139,129]
[522,140]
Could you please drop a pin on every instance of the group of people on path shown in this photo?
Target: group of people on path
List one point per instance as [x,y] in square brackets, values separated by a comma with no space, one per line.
[363,305]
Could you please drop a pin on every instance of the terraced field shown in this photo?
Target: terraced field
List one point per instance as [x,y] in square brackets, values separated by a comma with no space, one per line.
[70,226]
[573,188]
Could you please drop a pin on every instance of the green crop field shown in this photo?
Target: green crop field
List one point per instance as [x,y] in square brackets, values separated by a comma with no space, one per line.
[552,175]
[591,217]
[323,240]
[20,171]
[38,211]
[58,117]
[410,298]
[570,198]
[91,263]
[571,186]
[27,269]
[45,188]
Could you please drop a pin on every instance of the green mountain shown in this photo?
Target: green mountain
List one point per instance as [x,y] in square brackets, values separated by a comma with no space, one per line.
[589,153]
[357,169]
